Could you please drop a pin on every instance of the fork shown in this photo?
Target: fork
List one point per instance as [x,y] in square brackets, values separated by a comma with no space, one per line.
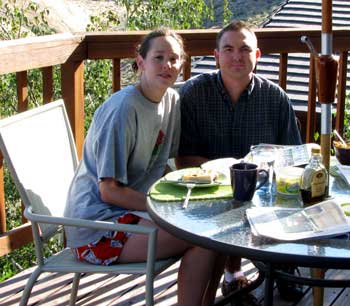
[189,189]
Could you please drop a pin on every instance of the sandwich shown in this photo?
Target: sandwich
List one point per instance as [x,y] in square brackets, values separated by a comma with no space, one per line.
[198,175]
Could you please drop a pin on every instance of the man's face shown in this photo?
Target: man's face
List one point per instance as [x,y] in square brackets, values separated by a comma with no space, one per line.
[237,54]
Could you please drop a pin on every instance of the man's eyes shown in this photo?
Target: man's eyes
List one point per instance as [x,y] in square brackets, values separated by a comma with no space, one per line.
[242,50]
[246,49]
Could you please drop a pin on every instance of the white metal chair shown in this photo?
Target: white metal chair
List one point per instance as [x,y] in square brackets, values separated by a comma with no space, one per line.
[39,150]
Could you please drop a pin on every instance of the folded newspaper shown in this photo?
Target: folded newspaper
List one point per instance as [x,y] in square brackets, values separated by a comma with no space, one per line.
[344,172]
[289,155]
[324,219]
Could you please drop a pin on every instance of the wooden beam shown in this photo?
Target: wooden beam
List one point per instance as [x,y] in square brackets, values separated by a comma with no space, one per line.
[41,51]
[15,238]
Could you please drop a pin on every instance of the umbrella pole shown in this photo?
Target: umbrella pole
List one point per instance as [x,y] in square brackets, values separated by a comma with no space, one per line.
[327,72]
[326,105]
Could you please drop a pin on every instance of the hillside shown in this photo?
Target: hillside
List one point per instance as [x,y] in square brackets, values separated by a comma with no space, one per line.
[74,15]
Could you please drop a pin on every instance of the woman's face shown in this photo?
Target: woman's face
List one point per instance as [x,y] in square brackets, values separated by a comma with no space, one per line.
[162,63]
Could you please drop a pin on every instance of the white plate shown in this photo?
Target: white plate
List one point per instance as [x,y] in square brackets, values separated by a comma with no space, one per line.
[175,177]
[223,165]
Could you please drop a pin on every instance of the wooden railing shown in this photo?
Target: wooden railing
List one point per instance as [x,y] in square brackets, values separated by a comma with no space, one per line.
[70,50]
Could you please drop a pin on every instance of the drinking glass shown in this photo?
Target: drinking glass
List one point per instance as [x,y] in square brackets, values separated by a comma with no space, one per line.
[264,156]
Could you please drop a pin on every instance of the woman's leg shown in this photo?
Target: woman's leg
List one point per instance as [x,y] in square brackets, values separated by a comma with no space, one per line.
[218,269]
[195,277]
[135,249]
[196,268]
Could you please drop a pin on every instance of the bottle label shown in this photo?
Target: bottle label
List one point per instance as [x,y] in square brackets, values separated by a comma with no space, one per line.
[318,184]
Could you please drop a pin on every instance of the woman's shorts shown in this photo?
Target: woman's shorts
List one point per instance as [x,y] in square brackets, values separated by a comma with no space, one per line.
[107,249]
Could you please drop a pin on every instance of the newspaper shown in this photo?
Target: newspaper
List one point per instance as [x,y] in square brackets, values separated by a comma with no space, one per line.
[344,172]
[324,219]
[289,155]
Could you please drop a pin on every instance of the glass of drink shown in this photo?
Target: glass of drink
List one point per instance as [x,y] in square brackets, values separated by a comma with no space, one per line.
[264,156]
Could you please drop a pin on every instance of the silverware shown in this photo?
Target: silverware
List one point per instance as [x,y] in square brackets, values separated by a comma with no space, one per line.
[189,189]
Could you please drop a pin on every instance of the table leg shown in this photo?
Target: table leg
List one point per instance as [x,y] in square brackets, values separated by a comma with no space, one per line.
[269,281]
[317,291]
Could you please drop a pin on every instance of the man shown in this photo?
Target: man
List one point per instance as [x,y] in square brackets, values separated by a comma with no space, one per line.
[227,111]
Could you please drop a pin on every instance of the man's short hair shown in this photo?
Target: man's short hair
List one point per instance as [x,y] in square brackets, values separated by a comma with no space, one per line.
[234,25]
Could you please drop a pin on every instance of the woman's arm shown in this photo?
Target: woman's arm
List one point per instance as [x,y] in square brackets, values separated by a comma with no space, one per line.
[114,193]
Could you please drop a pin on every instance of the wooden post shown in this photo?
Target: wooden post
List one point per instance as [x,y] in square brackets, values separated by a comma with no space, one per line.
[73,96]
[282,76]
[341,96]
[2,198]
[116,75]
[47,84]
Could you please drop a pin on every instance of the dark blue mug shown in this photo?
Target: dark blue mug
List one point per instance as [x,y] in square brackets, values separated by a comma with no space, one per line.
[244,178]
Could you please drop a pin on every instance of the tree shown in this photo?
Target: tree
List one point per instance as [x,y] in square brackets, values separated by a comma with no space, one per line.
[176,14]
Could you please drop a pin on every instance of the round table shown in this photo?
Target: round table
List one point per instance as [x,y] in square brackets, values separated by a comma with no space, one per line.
[221,225]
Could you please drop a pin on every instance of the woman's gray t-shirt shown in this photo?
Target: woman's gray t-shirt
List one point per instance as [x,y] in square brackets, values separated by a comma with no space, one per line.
[130,139]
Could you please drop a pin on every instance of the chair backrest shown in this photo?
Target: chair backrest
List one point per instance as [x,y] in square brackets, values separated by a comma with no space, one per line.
[39,149]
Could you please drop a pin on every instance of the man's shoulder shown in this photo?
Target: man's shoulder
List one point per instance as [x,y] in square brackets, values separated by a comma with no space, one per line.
[201,79]
[259,79]
[266,84]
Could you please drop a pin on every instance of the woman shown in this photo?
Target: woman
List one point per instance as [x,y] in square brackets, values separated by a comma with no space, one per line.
[130,139]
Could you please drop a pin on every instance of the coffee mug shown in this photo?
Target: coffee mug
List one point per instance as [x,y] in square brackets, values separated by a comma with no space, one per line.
[244,178]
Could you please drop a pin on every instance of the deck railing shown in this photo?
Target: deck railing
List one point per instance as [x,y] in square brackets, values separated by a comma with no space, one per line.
[69,51]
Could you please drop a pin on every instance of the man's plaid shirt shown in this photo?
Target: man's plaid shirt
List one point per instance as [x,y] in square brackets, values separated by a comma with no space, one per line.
[213,127]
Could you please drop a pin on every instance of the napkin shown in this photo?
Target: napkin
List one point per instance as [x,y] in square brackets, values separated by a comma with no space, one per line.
[163,191]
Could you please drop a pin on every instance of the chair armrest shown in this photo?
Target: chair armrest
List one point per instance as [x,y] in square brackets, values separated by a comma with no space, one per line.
[99,225]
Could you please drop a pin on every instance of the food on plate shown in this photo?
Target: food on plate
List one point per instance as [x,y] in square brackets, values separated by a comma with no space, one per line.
[199,175]
[341,145]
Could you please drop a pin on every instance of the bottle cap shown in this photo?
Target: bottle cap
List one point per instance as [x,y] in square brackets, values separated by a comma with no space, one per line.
[315,150]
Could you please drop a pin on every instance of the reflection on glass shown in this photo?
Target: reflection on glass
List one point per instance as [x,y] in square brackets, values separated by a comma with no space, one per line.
[264,156]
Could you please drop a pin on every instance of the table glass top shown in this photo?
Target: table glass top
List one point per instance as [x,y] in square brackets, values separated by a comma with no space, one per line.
[221,224]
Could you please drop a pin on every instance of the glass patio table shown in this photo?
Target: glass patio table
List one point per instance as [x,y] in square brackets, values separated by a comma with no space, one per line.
[221,225]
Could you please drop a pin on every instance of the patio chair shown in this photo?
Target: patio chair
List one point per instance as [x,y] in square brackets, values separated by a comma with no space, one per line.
[39,150]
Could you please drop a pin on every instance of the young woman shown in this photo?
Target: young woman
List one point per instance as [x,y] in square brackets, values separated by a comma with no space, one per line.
[130,139]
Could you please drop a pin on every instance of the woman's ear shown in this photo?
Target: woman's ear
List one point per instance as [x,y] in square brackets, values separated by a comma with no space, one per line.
[140,63]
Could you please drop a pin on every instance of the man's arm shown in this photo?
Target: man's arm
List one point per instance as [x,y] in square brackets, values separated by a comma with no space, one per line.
[289,131]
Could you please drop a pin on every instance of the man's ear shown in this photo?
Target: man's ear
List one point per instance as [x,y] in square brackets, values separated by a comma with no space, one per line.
[216,55]
[257,53]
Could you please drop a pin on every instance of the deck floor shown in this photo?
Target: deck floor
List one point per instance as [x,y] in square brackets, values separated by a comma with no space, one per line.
[101,289]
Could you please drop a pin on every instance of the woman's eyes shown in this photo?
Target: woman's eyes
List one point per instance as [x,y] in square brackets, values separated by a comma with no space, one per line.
[161,58]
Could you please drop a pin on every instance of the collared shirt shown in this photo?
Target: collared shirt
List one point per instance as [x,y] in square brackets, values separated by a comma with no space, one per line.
[214,127]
